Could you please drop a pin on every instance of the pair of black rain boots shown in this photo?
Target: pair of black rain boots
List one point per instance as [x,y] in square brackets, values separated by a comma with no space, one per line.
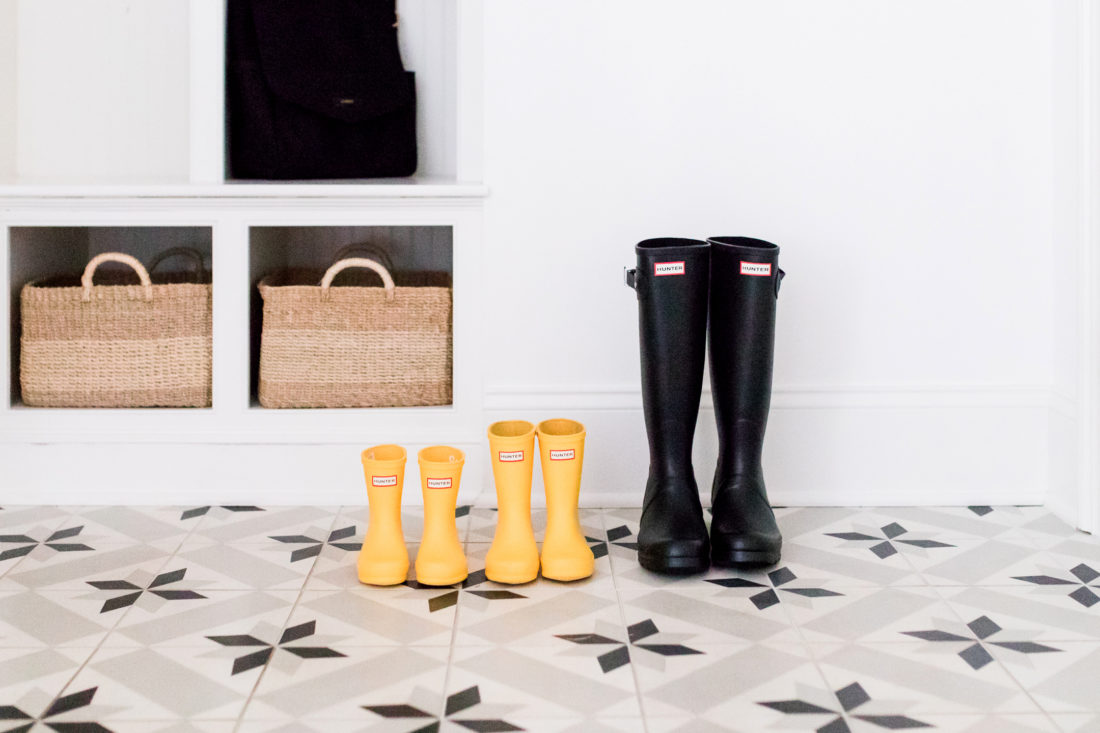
[679,282]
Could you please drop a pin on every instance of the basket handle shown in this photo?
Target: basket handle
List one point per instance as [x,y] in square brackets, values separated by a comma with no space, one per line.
[340,266]
[368,250]
[194,254]
[89,272]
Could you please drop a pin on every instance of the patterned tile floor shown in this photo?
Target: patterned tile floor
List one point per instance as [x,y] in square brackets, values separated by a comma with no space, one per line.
[249,619]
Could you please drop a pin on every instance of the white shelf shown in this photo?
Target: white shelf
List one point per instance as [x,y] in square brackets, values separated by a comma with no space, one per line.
[396,188]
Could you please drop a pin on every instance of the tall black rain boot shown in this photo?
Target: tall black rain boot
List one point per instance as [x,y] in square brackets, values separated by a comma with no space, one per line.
[671,281]
[744,286]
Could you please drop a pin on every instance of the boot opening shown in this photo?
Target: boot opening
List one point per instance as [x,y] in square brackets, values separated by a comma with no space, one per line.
[511,429]
[441,454]
[384,453]
[560,427]
[744,242]
[662,242]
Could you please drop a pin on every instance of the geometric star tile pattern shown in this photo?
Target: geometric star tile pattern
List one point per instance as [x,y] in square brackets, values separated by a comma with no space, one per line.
[225,618]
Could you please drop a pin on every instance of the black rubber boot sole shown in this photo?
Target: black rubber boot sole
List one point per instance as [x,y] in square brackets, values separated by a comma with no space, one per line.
[681,563]
[745,558]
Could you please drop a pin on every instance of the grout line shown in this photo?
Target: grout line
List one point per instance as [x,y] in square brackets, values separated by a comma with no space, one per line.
[602,513]
[290,615]
[938,590]
[118,622]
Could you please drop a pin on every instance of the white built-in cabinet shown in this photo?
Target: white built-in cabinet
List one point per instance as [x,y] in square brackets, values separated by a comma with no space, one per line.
[112,137]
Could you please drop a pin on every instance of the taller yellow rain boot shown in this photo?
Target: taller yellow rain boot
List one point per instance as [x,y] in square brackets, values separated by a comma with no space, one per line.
[565,553]
[383,559]
[513,556]
[440,560]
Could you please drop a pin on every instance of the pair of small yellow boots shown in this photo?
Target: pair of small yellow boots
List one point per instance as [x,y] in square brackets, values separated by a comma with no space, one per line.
[513,557]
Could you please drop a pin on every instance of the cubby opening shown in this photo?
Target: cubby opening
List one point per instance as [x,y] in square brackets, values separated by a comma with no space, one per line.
[417,252]
[41,252]
[145,103]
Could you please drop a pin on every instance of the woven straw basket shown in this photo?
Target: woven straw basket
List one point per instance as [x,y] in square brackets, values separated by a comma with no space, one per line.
[357,345]
[117,345]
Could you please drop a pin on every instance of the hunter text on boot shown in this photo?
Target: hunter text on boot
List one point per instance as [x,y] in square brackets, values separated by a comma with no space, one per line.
[756,268]
[668,268]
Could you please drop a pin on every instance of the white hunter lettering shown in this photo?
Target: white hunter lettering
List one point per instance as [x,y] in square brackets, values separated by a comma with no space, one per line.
[511,456]
[383,481]
[439,483]
[563,455]
[756,268]
[661,269]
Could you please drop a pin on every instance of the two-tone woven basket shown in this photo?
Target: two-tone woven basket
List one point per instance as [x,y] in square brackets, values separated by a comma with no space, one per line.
[358,344]
[116,344]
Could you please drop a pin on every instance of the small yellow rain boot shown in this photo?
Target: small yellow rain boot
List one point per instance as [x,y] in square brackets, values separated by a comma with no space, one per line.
[440,560]
[565,553]
[513,556]
[383,559]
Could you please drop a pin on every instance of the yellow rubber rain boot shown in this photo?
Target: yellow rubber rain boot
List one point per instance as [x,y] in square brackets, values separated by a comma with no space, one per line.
[440,560]
[513,556]
[565,553]
[383,559]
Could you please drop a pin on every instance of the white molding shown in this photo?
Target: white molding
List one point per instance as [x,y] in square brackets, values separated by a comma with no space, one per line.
[801,397]
[1088,269]
[207,91]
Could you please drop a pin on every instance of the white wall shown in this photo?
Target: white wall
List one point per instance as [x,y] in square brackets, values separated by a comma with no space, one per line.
[900,154]
[102,93]
[8,20]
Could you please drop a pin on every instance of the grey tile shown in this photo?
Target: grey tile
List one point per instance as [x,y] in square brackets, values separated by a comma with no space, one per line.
[190,623]
[931,678]
[1064,682]
[49,569]
[981,562]
[873,615]
[339,688]
[260,526]
[365,616]
[1051,616]
[703,620]
[162,684]
[247,566]
[30,678]
[543,683]
[733,682]
[52,618]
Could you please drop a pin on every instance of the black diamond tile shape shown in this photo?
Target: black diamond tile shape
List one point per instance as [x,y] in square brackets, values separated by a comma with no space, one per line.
[201,511]
[450,597]
[312,547]
[770,597]
[267,649]
[53,542]
[981,511]
[64,704]
[983,629]
[617,536]
[850,698]
[1085,578]
[133,591]
[620,654]
[887,545]
[457,704]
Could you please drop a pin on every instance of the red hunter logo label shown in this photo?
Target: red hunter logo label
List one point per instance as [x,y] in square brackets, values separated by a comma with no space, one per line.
[511,456]
[383,481]
[763,269]
[563,455]
[439,483]
[661,269]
